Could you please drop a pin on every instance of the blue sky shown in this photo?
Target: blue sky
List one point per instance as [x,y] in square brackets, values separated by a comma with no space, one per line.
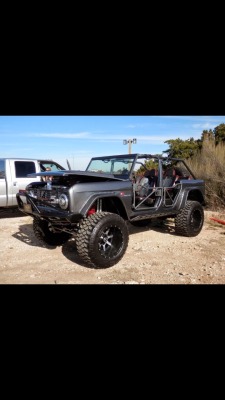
[78,138]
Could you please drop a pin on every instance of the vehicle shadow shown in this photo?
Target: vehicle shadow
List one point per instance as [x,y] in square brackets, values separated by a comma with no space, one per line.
[26,235]
[157,225]
[69,250]
[11,213]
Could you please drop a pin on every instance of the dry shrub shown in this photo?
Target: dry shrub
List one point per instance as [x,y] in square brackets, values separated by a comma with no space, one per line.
[209,164]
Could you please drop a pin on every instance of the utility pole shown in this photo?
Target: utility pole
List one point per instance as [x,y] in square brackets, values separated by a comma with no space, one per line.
[129,142]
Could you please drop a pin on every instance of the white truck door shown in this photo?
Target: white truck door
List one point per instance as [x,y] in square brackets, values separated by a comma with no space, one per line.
[19,171]
[3,193]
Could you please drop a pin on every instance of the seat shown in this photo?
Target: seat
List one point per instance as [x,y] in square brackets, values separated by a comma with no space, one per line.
[181,173]
[172,176]
[169,177]
[152,176]
[141,185]
[144,187]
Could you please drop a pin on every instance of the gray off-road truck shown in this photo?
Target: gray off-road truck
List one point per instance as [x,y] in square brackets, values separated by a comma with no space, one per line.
[95,206]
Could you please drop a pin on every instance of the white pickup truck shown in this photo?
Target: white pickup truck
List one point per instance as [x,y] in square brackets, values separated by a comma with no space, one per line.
[13,176]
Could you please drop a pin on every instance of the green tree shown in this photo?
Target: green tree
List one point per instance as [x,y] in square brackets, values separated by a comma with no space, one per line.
[150,164]
[185,149]
[219,133]
[208,136]
[216,135]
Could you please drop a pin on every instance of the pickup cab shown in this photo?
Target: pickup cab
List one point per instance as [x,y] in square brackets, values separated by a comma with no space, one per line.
[13,176]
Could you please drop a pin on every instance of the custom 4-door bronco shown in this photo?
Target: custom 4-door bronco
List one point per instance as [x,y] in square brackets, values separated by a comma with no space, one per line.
[94,206]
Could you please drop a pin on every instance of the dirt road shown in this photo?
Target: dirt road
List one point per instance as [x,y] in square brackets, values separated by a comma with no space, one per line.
[155,255]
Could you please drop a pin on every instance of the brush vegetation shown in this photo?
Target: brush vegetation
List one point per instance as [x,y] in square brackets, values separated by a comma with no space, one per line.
[206,158]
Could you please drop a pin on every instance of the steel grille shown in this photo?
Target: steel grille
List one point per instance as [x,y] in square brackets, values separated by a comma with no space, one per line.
[50,196]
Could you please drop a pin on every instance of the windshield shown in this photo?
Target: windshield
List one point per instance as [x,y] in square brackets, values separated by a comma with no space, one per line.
[115,166]
[54,166]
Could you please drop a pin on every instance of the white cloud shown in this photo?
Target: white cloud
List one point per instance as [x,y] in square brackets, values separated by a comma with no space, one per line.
[104,138]
[131,126]
[140,125]
[206,125]
[79,135]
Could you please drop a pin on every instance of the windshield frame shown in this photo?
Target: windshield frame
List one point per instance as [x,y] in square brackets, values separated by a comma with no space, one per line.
[118,166]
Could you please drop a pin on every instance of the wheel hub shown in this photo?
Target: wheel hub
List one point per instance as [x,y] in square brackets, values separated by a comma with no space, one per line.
[110,242]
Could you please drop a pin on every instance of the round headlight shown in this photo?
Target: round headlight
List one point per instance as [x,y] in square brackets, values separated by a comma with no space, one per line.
[31,193]
[63,201]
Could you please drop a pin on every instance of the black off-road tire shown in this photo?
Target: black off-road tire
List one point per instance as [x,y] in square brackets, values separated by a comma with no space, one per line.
[190,220]
[102,239]
[43,233]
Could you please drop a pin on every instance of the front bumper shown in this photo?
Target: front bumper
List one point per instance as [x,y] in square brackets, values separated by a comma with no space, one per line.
[27,205]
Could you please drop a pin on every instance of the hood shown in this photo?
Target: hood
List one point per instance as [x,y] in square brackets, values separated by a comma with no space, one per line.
[79,174]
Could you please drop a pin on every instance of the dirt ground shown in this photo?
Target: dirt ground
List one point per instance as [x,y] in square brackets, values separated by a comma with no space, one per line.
[155,255]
